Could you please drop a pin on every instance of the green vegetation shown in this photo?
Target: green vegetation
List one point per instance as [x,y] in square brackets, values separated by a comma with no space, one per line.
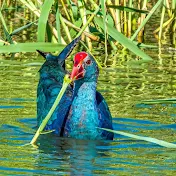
[102,23]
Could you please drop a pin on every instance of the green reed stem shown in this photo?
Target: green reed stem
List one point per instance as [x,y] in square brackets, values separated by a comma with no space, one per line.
[125,20]
[3,21]
[84,20]
[88,21]
[46,7]
[117,16]
[66,82]
[31,4]
[162,19]
[146,19]
[174,22]
[2,4]
[58,24]
[65,10]
[173,6]
[93,37]
[93,3]
[168,8]
[129,19]
[65,27]
[103,6]
[141,33]
[70,11]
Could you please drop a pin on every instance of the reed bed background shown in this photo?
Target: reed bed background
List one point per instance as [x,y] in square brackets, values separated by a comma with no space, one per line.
[106,24]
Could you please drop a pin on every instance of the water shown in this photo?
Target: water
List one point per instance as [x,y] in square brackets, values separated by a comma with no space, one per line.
[124,85]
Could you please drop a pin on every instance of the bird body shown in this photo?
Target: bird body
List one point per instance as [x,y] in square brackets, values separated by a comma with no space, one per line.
[51,80]
[82,110]
[83,115]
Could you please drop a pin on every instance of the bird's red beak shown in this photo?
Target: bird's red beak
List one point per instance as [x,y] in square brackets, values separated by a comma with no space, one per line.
[77,72]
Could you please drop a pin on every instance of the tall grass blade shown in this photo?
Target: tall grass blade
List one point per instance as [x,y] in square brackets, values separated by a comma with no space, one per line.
[105,28]
[162,20]
[130,19]
[65,27]
[117,17]
[125,25]
[123,40]
[82,11]
[58,24]
[43,20]
[148,139]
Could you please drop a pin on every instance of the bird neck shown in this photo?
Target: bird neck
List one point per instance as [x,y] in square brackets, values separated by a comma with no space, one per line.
[84,117]
[84,99]
[85,89]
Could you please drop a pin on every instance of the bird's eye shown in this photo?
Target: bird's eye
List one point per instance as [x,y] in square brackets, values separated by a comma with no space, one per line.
[88,62]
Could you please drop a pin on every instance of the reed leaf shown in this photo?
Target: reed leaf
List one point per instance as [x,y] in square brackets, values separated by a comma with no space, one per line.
[22,28]
[127,9]
[160,101]
[142,45]
[123,40]
[103,6]
[162,20]
[58,24]
[8,37]
[43,20]
[148,139]
[31,47]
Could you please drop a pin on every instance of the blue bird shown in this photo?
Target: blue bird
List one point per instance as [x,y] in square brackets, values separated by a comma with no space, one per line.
[88,109]
[50,83]
[82,109]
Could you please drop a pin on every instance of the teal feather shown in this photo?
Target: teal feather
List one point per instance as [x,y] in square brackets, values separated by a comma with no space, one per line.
[88,109]
[81,109]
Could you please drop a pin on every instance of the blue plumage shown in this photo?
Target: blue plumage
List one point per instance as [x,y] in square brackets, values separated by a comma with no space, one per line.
[88,109]
[52,73]
[82,108]
[51,79]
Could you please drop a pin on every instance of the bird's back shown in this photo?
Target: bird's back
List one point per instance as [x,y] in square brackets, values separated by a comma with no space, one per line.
[50,83]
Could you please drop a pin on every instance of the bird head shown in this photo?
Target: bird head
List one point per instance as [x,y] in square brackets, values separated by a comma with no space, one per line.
[84,67]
